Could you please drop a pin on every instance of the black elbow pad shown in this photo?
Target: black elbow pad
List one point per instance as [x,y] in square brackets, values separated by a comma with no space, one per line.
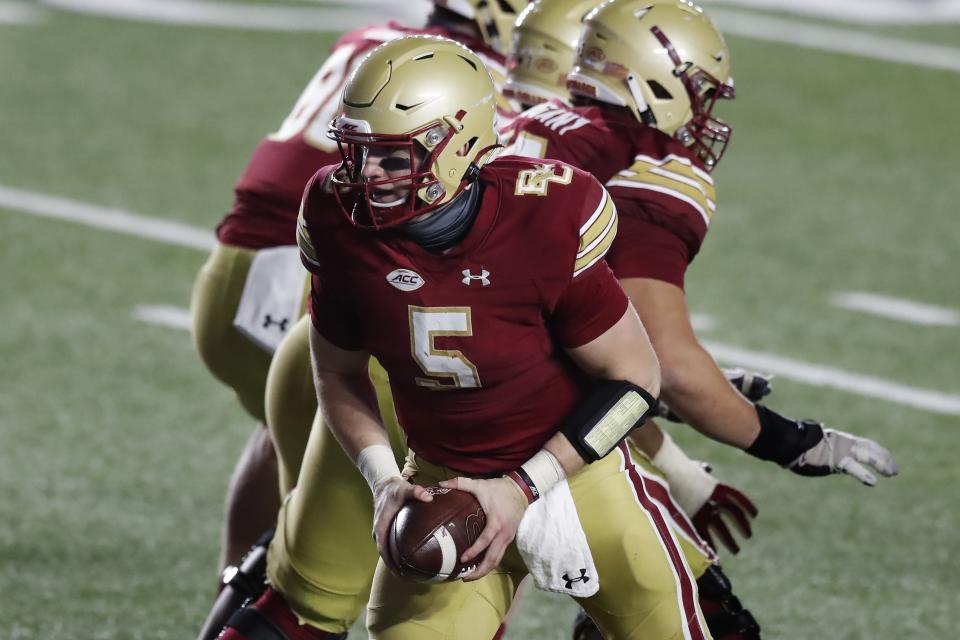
[607,414]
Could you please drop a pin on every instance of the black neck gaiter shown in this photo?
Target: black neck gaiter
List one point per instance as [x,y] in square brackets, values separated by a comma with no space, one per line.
[449,225]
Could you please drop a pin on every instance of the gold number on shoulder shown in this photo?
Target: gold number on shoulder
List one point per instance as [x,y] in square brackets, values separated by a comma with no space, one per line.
[537,181]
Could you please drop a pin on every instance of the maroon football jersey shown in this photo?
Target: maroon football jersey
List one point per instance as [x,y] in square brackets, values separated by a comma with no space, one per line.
[664,196]
[472,338]
[267,196]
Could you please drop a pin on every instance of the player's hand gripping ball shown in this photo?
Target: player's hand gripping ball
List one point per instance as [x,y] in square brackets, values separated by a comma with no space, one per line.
[426,539]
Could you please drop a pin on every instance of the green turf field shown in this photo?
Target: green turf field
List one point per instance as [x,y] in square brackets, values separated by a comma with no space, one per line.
[116,444]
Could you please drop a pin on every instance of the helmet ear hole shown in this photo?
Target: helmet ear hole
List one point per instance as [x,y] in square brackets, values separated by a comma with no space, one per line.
[659,91]
[467,147]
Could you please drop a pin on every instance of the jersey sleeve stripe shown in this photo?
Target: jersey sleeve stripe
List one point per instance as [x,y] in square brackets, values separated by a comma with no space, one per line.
[631,184]
[706,190]
[587,247]
[592,252]
[649,177]
[653,162]
[591,232]
[596,214]
[307,250]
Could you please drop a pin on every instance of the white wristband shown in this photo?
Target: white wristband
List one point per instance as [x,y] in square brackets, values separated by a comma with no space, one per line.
[377,463]
[690,484]
[538,475]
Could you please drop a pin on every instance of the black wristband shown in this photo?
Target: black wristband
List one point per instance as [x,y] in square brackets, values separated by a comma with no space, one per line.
[781,439]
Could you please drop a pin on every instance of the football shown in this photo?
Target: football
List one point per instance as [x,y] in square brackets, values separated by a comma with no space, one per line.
[427,538]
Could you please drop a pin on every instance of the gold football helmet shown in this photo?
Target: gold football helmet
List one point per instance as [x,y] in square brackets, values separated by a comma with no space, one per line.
[416,123]
[544,49]
[494,18]
[666,62]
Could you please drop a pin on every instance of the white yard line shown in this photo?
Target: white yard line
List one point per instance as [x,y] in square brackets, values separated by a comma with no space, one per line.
[702,321]
[186,236]
[824,376]
[295,18]
[796,370]
[164,315]
[18,13]
[133,224]
[896,308]
[242,16]
[859,11]
[836,40]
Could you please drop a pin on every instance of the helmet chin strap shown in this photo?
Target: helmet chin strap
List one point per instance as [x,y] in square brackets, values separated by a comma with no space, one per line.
[644,112]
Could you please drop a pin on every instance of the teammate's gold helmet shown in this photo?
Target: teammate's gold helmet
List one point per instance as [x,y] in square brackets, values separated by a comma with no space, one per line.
[665,61]
[494,18]
[544,49]
[426,102]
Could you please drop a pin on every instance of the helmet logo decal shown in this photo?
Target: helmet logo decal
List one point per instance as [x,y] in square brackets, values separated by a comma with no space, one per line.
[593,56]
[545,65]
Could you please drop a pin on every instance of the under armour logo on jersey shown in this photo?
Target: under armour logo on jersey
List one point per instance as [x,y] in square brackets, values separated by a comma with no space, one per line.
[583,577]
[483,277]
[282,323]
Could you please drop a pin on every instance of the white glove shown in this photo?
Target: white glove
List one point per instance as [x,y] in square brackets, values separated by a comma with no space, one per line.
[840,452]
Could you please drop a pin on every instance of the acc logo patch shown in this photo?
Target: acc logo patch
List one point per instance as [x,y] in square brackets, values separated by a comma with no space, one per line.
[405,280]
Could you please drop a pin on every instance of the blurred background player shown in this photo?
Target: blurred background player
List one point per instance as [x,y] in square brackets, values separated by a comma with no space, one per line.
[645,77]
[250,292]
[543,52]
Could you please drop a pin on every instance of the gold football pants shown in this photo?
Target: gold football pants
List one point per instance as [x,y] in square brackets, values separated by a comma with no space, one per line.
[647,590]
[323,556]
[229,355]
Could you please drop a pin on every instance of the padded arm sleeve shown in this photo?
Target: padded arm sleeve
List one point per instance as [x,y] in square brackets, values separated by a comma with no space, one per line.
[607,414]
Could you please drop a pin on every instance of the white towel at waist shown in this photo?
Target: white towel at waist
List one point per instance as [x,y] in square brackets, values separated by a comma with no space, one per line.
[554,546]
[272,296]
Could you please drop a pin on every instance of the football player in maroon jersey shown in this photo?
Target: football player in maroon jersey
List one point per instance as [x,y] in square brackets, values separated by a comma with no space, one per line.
[516,362]
[542,54]
[249,293]
[645,80]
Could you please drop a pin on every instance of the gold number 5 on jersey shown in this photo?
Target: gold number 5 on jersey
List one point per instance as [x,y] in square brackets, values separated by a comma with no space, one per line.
[447,368]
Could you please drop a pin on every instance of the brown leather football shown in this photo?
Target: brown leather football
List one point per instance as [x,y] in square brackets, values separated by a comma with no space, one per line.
[427,539]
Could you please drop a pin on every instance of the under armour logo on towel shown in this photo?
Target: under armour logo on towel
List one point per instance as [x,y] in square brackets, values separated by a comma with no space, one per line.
[583,577]
[483,277]
[282,323]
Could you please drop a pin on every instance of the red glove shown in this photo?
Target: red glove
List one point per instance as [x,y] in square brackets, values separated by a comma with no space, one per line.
[703,497]
[729,501]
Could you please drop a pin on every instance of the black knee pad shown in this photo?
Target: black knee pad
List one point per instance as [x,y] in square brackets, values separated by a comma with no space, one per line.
[241,584]
[254,625]
[584,628]
[726,618]
[250,577]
